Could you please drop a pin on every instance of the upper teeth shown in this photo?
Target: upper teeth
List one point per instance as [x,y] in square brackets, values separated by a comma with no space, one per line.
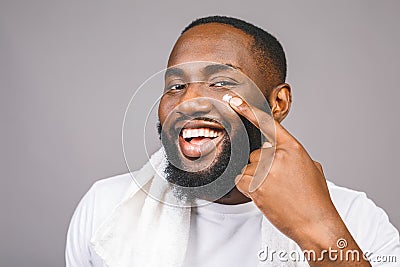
[200,132]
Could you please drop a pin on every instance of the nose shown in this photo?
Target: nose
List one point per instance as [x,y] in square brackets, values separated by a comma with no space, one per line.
[192,102]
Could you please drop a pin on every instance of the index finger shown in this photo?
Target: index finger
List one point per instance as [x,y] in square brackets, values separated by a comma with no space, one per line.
[259,118]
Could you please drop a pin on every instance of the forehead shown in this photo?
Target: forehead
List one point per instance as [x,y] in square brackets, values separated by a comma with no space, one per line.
[214,42]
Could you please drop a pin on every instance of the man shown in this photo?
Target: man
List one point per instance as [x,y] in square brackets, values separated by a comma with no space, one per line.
[273,208]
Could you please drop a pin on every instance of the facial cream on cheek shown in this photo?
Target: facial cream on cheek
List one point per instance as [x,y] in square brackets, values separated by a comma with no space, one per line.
[226,98]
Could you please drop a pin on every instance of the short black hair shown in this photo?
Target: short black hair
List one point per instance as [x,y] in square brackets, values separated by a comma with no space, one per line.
[268,51]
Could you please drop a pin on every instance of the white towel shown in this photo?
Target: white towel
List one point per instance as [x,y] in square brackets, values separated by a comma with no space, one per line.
[142,231]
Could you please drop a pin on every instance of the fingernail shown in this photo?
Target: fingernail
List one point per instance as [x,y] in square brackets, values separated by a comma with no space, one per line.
[236,101]
[267,145]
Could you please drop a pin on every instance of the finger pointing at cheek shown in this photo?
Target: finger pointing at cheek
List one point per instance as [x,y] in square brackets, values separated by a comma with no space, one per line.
[261,119]
[262,158]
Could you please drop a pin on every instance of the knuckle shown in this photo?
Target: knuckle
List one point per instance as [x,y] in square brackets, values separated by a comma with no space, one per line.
[280,155]
[249,170]
[296,146]
[244,108]
[255,155]
[244,169]
[240,178]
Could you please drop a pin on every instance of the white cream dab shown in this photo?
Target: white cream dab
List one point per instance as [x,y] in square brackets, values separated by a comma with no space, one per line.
[226,98]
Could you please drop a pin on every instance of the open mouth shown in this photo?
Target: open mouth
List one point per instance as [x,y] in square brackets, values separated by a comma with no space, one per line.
[198,138]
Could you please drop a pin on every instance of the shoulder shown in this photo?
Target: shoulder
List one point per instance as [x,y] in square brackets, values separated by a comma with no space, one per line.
[113,187]
[352,204]
[105,195]
[92,209]
[368,223]
[344,199]
[100,200]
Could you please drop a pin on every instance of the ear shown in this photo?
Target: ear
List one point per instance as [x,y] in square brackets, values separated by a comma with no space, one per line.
[280,100]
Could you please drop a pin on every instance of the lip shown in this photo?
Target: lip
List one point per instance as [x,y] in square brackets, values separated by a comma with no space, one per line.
[205,146]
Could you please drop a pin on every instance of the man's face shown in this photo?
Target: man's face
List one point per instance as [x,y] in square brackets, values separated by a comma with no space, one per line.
[198,128]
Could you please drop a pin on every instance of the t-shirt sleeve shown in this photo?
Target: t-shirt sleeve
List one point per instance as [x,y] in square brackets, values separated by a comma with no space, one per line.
[77,251]
[372,230]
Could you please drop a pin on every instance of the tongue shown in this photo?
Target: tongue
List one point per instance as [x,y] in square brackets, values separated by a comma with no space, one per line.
[199,140]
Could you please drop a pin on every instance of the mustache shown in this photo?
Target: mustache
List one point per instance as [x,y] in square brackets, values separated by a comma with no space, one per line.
[186,118]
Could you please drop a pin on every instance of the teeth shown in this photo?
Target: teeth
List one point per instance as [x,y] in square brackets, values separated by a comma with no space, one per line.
[206,132]
[201,132]
[211,133]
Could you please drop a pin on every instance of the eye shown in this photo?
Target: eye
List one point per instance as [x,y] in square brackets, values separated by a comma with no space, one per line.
[177,87]
[222,84]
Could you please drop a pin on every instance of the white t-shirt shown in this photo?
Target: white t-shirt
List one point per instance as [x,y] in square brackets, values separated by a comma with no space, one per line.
[224,235]
[228,236]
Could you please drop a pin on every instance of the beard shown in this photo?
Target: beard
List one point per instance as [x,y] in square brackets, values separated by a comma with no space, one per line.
[221,172]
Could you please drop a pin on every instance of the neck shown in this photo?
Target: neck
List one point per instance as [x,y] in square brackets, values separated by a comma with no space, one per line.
[234,197]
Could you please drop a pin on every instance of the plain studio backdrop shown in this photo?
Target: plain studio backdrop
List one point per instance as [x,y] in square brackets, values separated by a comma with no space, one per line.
[69,68]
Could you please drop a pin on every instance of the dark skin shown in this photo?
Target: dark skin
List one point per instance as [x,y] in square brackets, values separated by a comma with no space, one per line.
[294,194]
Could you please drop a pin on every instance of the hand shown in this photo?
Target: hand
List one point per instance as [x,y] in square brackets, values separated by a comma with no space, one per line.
[291,192]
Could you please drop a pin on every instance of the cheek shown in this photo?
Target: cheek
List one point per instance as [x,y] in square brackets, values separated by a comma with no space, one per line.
[165,107]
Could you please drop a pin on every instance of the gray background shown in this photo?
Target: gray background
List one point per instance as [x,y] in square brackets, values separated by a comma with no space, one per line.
[69,68]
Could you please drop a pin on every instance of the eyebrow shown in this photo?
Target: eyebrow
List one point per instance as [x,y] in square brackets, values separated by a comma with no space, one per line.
[208,70]
[174,72]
